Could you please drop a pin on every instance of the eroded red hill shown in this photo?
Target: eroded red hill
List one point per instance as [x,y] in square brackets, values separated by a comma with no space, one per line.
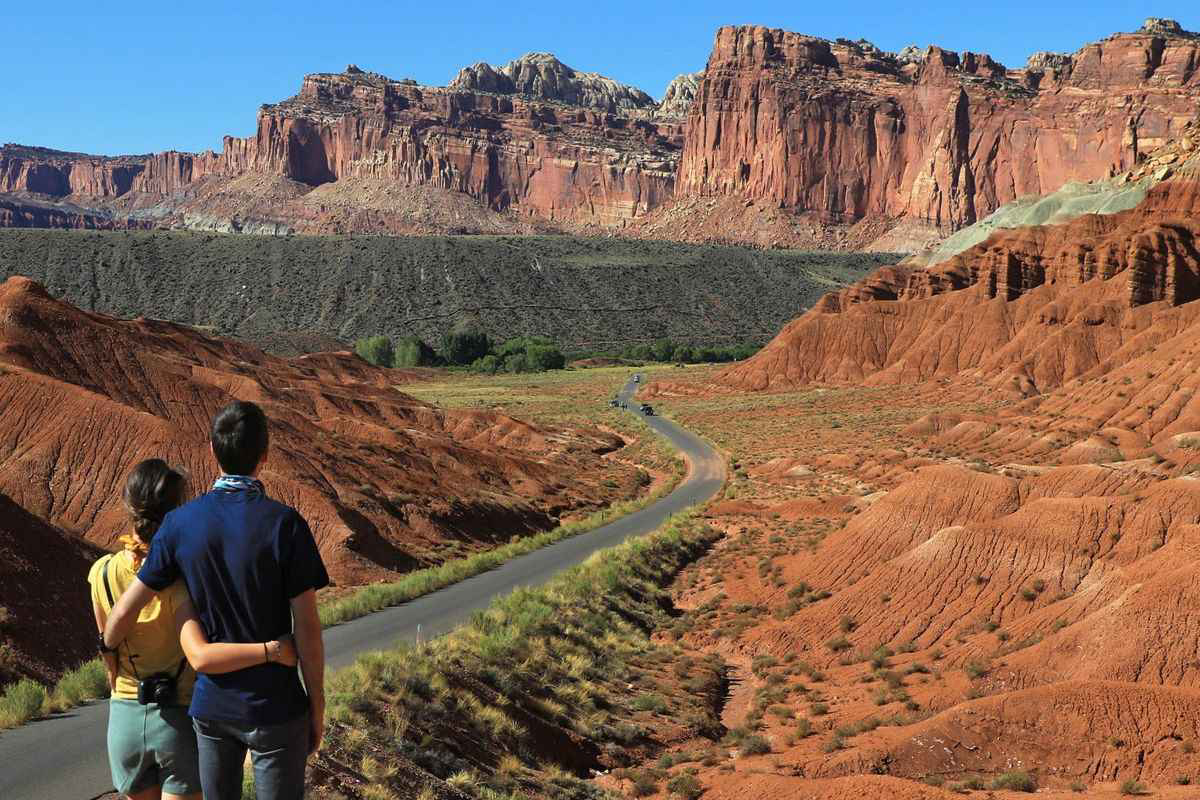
[387,482]
[1028,309]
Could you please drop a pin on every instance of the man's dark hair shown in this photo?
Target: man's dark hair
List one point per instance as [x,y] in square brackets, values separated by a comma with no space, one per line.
[239,437]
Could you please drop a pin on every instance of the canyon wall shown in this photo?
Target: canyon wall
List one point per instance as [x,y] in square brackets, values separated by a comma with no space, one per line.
[557,145]
[849,131]
[781,132]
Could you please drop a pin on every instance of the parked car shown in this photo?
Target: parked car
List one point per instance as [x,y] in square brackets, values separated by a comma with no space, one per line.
[647,409]
[637,378]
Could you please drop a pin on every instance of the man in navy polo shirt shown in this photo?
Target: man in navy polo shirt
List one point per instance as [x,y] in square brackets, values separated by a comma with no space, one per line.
[251,567]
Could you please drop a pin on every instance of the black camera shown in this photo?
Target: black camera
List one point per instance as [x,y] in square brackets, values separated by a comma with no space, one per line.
[158,689]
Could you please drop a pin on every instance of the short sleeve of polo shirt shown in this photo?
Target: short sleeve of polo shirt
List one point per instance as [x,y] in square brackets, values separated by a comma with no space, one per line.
[160,569]
[303,569]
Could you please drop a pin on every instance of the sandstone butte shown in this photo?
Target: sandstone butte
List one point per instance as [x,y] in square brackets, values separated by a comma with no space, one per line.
[388,483]
[783,139]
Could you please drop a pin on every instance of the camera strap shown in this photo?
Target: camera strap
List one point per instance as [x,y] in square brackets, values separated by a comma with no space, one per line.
[112,604]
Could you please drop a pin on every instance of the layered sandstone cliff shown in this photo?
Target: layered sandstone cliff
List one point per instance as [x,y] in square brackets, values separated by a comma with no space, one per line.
[845,130]
[536,139]
[783,139]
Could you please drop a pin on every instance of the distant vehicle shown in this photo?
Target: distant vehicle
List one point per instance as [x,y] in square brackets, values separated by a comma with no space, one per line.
[647,409]
[637,378]
[615,403]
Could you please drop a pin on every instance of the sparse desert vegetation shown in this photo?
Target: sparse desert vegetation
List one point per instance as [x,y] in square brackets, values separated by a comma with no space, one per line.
[534,692]
[299,293]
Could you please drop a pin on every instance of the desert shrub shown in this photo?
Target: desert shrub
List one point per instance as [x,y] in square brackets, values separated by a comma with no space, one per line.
[1015,781]
[833,744]
[644,785]
[685,786]
[839,644]
[975,669]
[20,702]
[755,745]
[1132,787]
[376,350]
[86,682]
[650,702]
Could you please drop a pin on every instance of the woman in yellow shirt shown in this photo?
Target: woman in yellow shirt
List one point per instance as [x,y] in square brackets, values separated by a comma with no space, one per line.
[151,742]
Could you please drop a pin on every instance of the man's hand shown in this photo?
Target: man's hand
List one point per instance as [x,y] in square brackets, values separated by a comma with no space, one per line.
[316,725]
[306,627]
[284,651]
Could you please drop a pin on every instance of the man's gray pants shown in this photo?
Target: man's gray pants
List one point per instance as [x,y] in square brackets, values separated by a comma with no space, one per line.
[278,752]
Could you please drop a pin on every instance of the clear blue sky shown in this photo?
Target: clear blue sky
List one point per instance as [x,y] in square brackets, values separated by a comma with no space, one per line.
[135,77]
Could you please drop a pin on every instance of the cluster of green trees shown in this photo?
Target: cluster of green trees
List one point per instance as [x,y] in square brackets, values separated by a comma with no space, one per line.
[407,352]
[465,346]
[665,350]
[525,354]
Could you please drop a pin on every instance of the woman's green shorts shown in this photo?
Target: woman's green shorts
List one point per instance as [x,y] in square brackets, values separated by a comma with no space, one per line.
[152,746]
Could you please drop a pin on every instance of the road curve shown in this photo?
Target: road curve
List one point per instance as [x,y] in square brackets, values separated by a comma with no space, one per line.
[64,757]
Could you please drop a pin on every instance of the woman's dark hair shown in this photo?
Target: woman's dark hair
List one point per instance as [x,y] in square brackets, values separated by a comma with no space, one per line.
[239,437]
[153,490]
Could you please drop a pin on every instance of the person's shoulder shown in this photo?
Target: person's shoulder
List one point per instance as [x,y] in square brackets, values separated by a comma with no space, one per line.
[97,565]
[177,593]
[270,507]
[200,504]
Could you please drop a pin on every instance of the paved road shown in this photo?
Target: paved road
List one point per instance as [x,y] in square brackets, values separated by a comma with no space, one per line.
[64,757]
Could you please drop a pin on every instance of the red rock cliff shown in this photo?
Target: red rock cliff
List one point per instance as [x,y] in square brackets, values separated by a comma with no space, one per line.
[844,129]
[548,160]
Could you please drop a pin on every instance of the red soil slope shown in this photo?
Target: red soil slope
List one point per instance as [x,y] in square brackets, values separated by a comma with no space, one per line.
[44,607]
[387,482]
[1043,623]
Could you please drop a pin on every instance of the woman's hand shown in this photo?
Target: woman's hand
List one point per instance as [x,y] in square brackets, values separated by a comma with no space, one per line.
[283,651]
[110,666]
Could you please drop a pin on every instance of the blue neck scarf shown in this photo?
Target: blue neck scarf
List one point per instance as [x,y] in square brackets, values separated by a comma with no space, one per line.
[240,483]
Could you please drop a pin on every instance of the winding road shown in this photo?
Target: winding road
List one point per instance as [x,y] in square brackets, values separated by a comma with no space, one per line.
[64,757]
